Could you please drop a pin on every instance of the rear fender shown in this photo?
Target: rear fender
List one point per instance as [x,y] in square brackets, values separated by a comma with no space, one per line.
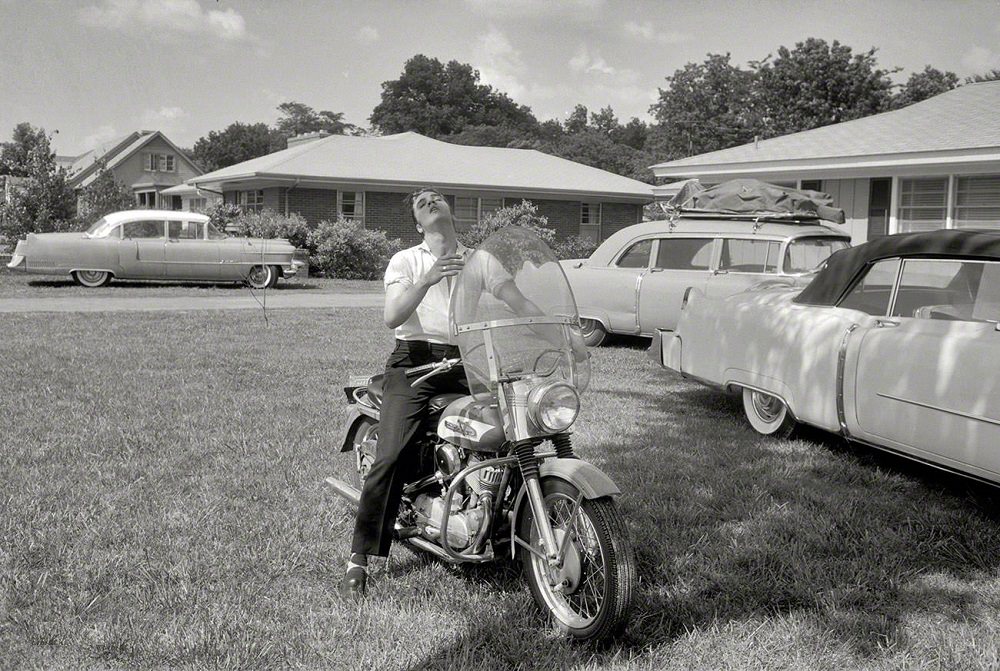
[355,415]
[592,482]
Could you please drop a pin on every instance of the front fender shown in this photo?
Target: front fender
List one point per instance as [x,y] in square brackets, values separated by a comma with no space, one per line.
[592,482]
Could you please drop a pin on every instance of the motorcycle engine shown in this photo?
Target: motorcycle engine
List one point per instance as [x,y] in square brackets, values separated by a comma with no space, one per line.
[467,516]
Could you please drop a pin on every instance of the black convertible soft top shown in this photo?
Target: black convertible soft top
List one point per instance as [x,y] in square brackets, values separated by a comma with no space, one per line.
[843,267]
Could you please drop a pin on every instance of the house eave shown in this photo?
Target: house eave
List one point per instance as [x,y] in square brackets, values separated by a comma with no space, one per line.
[279,179]
[976,160]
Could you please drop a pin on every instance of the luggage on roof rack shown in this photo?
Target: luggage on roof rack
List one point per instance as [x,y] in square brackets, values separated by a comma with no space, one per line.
[755,200]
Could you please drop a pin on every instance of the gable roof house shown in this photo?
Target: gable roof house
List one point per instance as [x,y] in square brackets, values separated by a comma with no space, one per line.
[367,178]
[145,161]
[933,164]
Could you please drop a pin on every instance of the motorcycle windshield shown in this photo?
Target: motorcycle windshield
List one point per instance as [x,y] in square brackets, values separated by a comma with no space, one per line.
[514,316]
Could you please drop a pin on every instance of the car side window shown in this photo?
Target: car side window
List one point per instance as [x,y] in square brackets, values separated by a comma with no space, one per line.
[143,230]
[750,256]
[637,256]
[115,233]
[684,254]
[873,291]
[948,289]
[186,230]
[214,233]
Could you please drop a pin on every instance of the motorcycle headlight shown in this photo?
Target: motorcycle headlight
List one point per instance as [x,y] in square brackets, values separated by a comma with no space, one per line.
[553,407]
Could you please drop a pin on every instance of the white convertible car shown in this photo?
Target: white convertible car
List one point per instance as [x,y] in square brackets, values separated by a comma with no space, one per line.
[895,343]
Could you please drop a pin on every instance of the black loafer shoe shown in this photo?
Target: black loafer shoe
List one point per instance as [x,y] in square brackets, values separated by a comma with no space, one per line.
[353,584]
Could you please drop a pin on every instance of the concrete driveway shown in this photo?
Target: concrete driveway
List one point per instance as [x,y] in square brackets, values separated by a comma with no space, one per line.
[273,301]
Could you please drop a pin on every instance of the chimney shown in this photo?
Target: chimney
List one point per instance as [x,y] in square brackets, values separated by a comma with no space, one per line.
[307,137]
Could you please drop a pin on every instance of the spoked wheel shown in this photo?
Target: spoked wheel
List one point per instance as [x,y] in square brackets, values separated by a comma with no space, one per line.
[92,278]
[364,440]
[768,414]
[590,594]
[262,277]
[593,332]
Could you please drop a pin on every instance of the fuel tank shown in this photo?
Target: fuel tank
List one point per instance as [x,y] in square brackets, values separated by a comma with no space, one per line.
[473,423]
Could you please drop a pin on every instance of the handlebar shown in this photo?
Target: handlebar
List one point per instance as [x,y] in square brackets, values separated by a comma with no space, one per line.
[433,369]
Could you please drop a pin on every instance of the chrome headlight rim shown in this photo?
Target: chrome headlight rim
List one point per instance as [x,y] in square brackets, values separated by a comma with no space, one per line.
[535,408]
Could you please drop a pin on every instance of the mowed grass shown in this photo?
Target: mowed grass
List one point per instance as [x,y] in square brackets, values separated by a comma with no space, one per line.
[163,505]
[16,284]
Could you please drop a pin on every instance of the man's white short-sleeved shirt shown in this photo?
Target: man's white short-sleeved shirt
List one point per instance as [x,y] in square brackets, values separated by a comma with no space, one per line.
[430,320]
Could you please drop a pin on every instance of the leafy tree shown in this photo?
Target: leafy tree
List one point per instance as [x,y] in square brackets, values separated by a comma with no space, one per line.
[576,122]
[706,106]
[43,202]
[923,85]
[238,142]
[438,100]
[16,155]
[633,134]
[102,196]
[298,118]
[491,136]
[990,76]
[605,121]
[817,84]
[597,150]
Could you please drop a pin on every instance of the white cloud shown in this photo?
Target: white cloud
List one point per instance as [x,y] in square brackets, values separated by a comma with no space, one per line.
[646,31]
[165,17]
[103,134]
[534,9]
[499,63]
[367,35]
[980,59]
[165,116]
[586,63]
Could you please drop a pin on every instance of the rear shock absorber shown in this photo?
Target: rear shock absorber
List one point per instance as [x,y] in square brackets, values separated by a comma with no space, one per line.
[564,446]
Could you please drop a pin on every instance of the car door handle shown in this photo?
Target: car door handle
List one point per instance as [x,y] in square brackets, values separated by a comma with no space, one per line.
[656,270]
[720,272]
[886,323]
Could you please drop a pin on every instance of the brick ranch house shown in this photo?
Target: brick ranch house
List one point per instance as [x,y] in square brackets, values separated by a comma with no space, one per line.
[367,178]
[934,164]
[145,161]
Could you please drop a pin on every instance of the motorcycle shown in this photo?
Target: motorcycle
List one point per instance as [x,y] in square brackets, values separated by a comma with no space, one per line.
[501,477]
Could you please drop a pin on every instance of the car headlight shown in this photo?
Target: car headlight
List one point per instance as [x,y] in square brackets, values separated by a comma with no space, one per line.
[553,406]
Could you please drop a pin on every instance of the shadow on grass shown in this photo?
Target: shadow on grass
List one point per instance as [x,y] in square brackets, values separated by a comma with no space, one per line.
[730,527]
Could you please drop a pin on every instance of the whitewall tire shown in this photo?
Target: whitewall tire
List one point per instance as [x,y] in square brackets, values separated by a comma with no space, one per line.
[593,332]
[91,278]
[767,414]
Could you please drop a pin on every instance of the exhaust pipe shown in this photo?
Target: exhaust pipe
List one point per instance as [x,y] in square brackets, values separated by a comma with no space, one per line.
[352,495]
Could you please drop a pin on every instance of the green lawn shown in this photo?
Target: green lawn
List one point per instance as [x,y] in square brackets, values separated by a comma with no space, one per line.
[162,505]
[14,284]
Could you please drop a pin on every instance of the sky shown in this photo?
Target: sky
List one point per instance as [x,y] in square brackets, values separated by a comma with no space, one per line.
[94,70]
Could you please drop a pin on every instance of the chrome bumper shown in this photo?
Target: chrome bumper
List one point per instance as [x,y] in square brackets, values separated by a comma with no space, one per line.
[666,350]
[15,261]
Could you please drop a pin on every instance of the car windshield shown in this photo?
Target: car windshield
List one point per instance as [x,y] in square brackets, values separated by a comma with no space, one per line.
[214,233]
[804,255]
[99,228]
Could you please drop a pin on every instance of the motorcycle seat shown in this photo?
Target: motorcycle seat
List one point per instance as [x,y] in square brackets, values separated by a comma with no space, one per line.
[435,405]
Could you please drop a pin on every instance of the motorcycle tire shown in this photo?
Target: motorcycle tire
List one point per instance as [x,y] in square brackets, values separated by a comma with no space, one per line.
[364,436]
[598,571]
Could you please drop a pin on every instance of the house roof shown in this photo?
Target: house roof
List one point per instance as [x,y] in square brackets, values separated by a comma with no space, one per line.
[412,160]
[85,167]
[961,120]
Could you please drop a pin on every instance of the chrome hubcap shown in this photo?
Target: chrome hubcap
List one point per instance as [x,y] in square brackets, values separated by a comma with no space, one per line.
[767,407]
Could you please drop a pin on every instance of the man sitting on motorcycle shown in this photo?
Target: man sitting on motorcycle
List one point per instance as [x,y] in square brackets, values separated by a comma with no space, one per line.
[418,283]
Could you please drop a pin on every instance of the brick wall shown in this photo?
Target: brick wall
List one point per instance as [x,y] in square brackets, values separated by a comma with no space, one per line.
[388,212]
[616,216]
[314,205]
[563,215]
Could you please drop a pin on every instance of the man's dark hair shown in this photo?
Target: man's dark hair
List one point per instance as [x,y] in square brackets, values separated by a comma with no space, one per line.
[413,196]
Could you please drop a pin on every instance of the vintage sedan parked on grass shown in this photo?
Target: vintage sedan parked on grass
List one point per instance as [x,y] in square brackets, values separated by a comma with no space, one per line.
[155,245]
[895,344]
[633,283]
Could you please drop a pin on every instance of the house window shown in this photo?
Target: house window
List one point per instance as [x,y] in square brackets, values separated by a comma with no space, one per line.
[977,201]
[470,211]
[251,201]
[923,204]
[197,204]
[159,163]
[351,205]
[811,185]
[590,221]
[146,199]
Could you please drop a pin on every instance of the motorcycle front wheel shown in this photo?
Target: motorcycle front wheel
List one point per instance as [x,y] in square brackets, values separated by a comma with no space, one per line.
[590,595]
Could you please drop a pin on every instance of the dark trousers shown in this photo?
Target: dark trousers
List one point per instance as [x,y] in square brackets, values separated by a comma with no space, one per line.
[404,410]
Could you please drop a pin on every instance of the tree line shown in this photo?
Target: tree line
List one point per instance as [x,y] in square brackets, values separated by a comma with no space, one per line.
[705,106]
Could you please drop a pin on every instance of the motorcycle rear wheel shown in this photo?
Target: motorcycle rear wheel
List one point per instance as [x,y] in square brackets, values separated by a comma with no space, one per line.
[598,572]
[364,437]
